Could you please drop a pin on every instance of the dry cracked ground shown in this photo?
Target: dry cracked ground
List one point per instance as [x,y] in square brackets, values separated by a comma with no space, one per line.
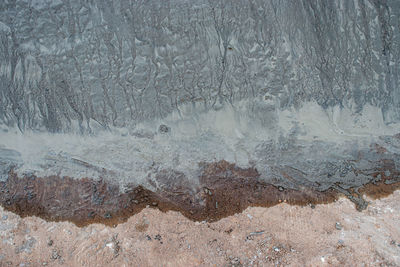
[334,234]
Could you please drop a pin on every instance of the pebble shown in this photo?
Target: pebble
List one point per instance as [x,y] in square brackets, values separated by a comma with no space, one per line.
[163,128]
[235,261]
[55,255]
[276,249]
[338,226]
[207,191]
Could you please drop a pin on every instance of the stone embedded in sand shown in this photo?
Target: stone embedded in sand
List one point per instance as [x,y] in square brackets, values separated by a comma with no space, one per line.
[164,128]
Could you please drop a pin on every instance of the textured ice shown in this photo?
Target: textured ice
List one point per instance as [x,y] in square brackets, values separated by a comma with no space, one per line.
[293,88]
[312,146]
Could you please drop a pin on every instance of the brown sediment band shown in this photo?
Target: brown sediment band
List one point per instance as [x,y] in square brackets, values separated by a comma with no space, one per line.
[224,190]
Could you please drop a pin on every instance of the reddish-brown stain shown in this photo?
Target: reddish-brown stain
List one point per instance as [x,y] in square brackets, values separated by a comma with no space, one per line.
[224,190]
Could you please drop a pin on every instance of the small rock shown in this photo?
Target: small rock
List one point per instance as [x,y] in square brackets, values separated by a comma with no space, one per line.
[163,128]
[276,249]
[158,237]
[148,237]
[207,191]
[27,246]
[55,255]
[338,226]
[280,188]
[50,243]
[124,132]
[44,263]
[312,206]
[235,262]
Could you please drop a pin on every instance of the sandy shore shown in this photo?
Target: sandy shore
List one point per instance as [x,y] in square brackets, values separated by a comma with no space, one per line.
[325,235]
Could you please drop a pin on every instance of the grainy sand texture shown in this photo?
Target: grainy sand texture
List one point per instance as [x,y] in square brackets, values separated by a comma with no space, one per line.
[333,234]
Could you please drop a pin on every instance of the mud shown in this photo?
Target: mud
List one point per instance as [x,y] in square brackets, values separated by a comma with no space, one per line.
[224,190]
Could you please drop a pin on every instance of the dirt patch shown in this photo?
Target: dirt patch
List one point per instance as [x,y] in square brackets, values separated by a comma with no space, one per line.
[224,190]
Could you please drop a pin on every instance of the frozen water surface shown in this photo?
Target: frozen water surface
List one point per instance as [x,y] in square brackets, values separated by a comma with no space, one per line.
[312,145]
[124,89]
